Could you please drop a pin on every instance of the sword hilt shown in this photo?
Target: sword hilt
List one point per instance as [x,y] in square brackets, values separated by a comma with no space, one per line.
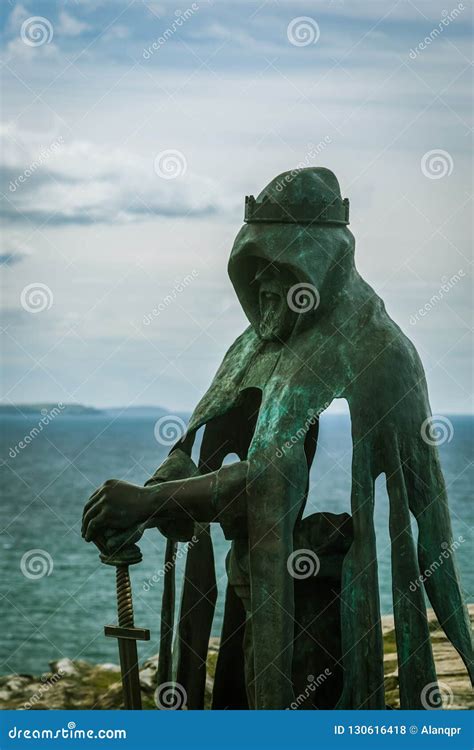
[121,559]
[124,596]
[126,626]
[126,632]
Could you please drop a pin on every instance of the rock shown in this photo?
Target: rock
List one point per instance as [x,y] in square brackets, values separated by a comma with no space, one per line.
[148,678]
[79,684]
[152,662]
[17,682]
[453,680]
[214,644]
[64,667]
[110,667]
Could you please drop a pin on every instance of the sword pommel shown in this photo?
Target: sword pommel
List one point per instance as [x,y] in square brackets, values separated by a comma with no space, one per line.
[129,555]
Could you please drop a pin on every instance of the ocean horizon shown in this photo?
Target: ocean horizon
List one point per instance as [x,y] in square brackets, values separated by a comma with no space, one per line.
[46,483]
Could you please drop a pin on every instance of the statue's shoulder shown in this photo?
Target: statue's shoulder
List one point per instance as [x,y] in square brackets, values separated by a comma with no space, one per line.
[388,366]
[245,344]
[393,345]
[223,391]
[238,354]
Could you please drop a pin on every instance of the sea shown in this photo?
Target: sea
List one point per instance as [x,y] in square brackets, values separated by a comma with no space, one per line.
[56,595]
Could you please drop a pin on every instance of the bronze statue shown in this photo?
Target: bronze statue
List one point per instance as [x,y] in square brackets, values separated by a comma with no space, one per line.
[317,332]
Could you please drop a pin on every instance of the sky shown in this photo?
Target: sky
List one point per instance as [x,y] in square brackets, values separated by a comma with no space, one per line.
[132,132]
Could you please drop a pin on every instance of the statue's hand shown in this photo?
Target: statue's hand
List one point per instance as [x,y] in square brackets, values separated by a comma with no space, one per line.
[116,505]
[112,543]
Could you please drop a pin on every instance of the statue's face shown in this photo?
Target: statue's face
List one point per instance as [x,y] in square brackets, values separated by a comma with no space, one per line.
[276,318]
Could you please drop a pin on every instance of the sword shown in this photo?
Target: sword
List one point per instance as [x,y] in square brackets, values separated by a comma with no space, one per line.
[126,632]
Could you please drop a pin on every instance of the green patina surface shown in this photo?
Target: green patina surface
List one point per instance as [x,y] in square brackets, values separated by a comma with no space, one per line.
[317,332]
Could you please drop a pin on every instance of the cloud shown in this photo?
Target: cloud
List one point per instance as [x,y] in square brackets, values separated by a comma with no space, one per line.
[70,26]
[79,182]
[20,50]
[117,31]
[11,259]
[16,18]
[156,9]
[244,107]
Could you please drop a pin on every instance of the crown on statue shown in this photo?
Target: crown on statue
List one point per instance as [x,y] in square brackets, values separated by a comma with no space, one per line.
[335,211]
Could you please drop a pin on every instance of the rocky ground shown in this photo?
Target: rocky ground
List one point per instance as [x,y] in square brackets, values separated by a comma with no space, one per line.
[80,684]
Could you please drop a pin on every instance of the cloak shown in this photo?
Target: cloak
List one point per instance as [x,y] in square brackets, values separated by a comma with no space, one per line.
[344,345]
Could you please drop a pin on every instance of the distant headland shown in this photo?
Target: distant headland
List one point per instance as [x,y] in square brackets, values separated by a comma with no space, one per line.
[79,410]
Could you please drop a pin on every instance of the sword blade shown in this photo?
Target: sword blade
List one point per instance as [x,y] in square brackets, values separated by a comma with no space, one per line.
[132,699]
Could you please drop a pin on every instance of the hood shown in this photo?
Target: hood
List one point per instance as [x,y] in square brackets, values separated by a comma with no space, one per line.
[316,253]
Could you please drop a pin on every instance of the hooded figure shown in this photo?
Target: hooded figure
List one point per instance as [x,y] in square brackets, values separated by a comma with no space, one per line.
[317,332]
